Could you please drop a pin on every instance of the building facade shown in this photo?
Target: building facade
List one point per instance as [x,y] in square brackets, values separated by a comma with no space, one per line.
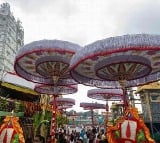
[150,100]
[11,38]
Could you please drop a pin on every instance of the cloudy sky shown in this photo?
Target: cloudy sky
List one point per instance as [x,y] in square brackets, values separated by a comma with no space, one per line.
[85,21]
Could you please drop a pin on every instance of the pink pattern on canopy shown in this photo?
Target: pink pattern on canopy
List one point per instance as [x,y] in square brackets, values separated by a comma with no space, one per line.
[56,90]
[63,101]
[89,106]
[130,59]
[45,61]
[106,94]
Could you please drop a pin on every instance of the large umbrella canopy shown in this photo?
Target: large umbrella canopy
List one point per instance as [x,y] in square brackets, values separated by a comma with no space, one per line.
[56,90]
[128,60]
[64,107]
[105,94]
[45,61]
[60,88]
[63,101]
[91,106]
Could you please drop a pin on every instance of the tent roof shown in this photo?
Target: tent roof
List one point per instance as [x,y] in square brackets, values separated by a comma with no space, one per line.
[13,78]
[18,88]
[151,86]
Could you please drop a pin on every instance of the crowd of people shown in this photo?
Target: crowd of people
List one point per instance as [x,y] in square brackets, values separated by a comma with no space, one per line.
[91,135]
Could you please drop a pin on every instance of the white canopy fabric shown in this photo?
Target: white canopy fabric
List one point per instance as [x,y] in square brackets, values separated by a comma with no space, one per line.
[13,78]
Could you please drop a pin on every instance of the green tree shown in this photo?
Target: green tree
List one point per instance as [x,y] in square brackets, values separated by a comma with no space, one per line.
[61,120]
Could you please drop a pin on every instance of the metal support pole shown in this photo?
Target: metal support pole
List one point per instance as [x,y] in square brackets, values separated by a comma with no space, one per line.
[107,108]
[53,126]
[125,99]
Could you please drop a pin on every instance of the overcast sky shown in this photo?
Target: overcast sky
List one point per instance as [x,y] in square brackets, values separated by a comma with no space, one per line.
[85,21]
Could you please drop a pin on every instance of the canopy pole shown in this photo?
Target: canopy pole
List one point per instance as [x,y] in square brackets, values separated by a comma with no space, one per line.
[53,126]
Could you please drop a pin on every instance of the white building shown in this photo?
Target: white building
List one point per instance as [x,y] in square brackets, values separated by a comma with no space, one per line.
[11,38]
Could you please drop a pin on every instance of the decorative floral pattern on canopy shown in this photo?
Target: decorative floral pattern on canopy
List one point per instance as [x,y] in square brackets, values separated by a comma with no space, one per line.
[130,59]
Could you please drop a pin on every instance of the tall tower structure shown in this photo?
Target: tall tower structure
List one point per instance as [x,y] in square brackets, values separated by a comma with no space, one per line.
[11,38]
